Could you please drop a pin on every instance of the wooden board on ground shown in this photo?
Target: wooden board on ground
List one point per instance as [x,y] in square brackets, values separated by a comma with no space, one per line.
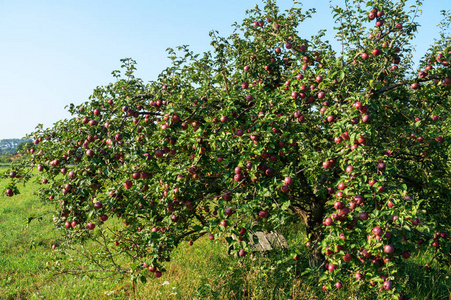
[267,241]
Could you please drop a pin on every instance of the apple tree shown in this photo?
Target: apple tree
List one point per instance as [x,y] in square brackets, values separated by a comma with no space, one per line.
[267,129]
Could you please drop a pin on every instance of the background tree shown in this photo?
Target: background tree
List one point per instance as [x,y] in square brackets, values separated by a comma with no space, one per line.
[9,145]
[267,129]
[23,146]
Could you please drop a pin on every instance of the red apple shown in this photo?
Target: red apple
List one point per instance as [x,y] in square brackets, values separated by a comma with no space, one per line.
[331,267]
[387,285]
[328,221]
[288,180]
[242,253]
[377,231]
[285,188]
[389,249]
[365,253]
[338,205]
[381,167]
[152,269]
[128,184]
[364,216]
[347,257]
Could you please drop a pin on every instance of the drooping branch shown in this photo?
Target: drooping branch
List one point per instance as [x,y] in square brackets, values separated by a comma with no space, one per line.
[178,238]
[404,82]
[79,272]
[142,97]
[149,113]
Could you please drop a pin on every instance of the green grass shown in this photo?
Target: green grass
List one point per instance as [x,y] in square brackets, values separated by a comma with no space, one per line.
[201,271]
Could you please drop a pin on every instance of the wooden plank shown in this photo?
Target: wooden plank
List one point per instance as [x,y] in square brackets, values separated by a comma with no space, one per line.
[267,241]
[276,239]
[262,245]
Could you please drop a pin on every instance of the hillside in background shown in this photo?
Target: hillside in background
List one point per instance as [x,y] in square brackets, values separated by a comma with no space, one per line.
[10,145]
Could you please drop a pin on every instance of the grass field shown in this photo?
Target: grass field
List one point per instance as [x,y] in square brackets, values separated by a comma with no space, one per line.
[201,271]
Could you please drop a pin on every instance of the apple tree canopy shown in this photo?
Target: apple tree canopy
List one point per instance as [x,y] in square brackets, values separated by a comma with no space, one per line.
[267,129]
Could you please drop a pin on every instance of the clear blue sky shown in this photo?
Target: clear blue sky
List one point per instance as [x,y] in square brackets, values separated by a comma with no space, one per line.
[55,52]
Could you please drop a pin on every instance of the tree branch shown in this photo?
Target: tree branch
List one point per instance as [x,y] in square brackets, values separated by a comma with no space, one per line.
[395,85]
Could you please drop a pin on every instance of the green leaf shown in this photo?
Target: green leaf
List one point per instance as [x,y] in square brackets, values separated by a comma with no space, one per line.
[286,205]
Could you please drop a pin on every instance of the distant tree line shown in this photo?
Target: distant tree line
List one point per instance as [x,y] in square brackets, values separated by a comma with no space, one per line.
[12,146]
[9,148]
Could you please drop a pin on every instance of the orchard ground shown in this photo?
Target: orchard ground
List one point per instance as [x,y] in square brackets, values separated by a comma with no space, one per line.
[201,271]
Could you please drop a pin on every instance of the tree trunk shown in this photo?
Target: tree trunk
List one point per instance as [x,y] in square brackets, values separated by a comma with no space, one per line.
[316,258]
[311,221]
[315,218]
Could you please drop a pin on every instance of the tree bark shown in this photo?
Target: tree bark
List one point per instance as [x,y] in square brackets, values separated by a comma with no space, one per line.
[315,218]
[316,258]
[311,220]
